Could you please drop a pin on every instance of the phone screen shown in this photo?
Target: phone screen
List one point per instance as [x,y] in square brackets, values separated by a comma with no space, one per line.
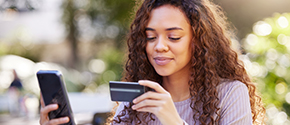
[53,92]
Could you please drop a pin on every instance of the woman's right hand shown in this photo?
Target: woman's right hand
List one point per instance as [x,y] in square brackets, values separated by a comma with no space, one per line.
[44,120]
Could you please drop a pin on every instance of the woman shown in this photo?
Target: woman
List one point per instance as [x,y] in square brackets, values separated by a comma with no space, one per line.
[181,50]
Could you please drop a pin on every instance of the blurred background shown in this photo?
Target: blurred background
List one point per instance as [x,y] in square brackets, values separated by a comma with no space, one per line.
[86,41]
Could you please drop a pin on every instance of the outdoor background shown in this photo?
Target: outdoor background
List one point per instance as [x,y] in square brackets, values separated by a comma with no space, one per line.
[85,40]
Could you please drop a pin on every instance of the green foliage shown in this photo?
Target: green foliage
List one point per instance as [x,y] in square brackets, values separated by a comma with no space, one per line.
[268,49]
[114,60]
[95,21]
[15,48]
[104,21]
[99,14]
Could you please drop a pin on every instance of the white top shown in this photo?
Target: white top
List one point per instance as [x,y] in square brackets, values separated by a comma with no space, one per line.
[235,108]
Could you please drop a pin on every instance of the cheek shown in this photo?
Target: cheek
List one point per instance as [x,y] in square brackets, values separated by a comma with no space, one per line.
[148,49]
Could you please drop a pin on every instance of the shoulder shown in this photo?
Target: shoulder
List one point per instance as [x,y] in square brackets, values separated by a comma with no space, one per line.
[233,94]
[227,88]
[234,103]
[227,84]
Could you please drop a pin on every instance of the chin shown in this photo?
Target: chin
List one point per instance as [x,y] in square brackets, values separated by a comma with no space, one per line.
[162,73]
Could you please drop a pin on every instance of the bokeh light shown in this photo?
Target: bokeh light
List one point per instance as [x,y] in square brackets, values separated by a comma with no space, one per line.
[280,118]
[283,22]
[112,31]
[97,66]
[284,61]
[280,88]
[271,111]
[270,64]
[283,39]
[252,39]
[109,75]
[287,97]
[267,52]
[280,71]
[262,28]
[272,54]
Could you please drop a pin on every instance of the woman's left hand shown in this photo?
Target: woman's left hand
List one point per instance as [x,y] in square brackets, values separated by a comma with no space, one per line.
[159,103]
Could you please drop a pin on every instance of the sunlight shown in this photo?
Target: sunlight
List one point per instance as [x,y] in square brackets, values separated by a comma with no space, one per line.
[283,22]
[282,39]
[252,39]
[262,28]
[109,75]
[97,66]
[287,97]
[280,118]
[280,71]
[271,111]
[284,61]
[280,88]
[270,64]
[272,54]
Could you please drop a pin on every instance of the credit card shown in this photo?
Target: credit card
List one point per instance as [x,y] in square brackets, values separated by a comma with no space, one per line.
[125,91]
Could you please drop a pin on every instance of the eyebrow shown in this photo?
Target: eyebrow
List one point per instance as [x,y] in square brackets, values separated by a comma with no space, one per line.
[168,29]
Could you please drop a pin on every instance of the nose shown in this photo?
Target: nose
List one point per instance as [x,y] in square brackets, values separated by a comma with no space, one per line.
[161,45]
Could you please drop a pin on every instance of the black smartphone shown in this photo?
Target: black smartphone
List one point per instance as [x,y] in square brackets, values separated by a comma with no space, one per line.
[125,91]
[53,91]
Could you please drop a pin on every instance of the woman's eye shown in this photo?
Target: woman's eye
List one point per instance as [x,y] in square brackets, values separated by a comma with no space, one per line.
[172,38]
[150,38]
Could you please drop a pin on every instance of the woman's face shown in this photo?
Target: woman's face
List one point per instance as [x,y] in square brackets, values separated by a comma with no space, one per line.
[169,37]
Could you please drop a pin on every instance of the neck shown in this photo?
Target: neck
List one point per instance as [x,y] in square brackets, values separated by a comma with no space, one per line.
[177,85]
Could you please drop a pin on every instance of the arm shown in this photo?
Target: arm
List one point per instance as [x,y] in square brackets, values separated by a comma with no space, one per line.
[235,105]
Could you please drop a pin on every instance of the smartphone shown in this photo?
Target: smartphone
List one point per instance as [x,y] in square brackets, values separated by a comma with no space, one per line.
[53,91]
[125,91]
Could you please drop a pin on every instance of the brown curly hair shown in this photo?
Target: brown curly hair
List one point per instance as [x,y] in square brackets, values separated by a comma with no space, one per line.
[212,60]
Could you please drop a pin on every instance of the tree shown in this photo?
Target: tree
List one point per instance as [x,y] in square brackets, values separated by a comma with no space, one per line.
[267,59]
[95,20]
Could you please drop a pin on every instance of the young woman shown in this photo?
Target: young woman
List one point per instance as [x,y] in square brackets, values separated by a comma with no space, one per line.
[182,50]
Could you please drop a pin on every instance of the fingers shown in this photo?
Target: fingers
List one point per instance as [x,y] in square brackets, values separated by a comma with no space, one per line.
[152,109]
[58,121]
[55,121]
[45,110]
[160,93]
[44,120]
[158,88]
[149,95]
[41,101]
[146,104]
[153,102]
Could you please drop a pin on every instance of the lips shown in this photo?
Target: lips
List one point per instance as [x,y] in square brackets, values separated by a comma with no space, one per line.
[162,60]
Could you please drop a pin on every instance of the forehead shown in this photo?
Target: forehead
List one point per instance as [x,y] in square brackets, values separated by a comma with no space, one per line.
[167,15]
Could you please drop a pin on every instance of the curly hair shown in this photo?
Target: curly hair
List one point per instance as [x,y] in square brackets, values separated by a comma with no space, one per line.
[212,60]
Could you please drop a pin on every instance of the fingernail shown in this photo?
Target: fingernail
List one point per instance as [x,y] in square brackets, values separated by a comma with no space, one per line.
[134,101]
[133,107]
